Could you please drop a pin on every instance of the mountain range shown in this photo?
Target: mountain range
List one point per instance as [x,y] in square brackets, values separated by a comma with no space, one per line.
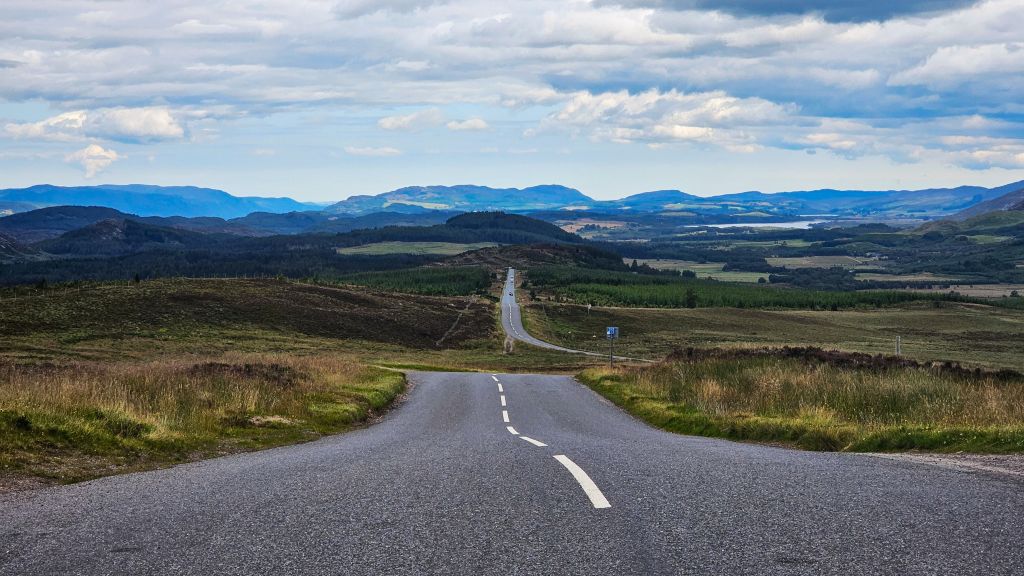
[186,201]
[931,202]
[147,200]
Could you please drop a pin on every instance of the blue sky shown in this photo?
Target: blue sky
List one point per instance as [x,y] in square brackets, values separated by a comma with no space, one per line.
[322,99]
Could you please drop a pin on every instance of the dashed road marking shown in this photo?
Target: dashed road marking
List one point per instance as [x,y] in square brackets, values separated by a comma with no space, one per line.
[537,443]
[504,416]
[493,377]
[591,489]
[500,389]
[512,431]
[503,400]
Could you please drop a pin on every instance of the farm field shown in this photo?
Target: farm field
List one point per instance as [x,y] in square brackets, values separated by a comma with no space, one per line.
[968,333]
[701,269]
[435,248]
[820,262]
[920,277]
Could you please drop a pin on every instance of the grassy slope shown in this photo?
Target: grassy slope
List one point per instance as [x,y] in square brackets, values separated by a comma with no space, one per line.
[116,377]
[80,420]
[973,334]
[818,406]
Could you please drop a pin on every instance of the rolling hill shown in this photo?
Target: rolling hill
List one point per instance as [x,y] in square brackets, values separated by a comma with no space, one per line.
[1013,200]
[45,223]
[115,237]
[11,250]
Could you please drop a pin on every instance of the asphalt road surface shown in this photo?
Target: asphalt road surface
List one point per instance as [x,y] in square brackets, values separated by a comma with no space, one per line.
[521,474]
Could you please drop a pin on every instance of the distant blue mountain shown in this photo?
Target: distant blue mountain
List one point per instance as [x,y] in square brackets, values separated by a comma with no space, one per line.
[833,203]
[465,198]
[147,200]
[189,201]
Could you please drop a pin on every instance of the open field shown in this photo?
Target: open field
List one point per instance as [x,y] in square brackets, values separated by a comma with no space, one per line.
[436,248]
[792,243]
[969,333]
[821,401]
[701,269]
[228,314]
[920,277]
[820,262]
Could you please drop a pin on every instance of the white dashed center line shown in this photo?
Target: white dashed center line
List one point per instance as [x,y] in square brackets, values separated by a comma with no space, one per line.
[500,389]
[512,431]
[504,416]
[494,378]
[591,489]
[503,400]
[537,443]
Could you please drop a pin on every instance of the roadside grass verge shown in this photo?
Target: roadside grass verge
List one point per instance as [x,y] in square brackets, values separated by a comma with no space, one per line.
[817,405]
[78,420]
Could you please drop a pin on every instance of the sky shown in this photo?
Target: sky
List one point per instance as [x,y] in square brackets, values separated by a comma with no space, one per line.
[323,99]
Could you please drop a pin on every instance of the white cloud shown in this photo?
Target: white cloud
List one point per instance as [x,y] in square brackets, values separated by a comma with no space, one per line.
[62,127]
[124,124]
[382,151]
[648,72]
[470,124]
[952,65]
[415,121]
[659,117]
[93,158]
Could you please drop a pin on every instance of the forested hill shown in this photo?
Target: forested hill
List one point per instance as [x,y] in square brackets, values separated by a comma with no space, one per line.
[122,248]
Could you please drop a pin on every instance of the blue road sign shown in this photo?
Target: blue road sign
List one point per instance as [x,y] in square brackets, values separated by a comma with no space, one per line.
[612,332]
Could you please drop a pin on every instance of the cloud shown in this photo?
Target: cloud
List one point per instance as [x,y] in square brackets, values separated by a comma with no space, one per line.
[146,124]
[655,117]
[468,125]
[380,152]
[93,158]
[415,121]
[358,8]
[832,10]
[736,74]
[950,66]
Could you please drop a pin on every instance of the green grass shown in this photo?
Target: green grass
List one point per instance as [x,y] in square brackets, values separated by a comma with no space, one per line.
[438,248]
[701,269]
[73,421]
[818,262]
[988,239]
[818,406]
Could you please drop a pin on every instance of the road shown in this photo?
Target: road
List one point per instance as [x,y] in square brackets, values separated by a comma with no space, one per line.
[521,474]
[512,322]
[441,486]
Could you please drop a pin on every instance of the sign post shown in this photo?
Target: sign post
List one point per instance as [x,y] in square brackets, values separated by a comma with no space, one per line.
[612,332]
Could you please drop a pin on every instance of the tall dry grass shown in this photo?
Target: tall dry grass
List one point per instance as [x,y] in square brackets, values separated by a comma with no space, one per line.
[167,408]
[823,406]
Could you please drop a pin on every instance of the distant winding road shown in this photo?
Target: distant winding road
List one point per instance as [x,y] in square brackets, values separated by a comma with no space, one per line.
[521,474]
[512,323]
